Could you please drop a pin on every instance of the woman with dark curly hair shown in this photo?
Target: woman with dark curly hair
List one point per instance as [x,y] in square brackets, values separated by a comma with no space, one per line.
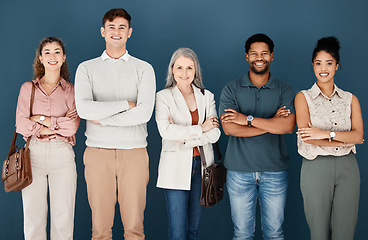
[329,125]
[52,129]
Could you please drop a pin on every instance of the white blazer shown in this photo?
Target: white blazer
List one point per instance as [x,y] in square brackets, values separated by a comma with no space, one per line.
[178,139]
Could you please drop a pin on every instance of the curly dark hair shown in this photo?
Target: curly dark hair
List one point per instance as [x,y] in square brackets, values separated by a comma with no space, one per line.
[330,45]
[39,69]
[259,37]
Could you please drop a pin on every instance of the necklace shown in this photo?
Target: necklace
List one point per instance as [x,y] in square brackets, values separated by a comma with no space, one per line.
[188,94]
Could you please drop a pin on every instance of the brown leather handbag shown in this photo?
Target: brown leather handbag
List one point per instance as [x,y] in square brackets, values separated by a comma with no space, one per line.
[17,171]
[214,176]
[213,179]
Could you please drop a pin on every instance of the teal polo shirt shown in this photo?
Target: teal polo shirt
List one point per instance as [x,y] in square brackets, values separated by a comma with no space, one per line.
[266,152]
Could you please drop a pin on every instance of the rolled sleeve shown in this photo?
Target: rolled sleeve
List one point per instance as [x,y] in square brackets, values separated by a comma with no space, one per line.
[54,125]
[66,127]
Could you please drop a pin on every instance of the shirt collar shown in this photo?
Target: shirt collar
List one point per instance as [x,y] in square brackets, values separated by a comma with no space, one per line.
[315,91]
[125,57]
[247,83]
[63,83]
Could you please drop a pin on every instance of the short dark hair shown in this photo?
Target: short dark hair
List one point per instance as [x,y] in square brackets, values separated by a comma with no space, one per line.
[259,37]
[115,12]
[330,45]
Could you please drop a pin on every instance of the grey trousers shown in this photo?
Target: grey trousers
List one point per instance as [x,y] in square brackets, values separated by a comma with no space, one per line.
[330,186]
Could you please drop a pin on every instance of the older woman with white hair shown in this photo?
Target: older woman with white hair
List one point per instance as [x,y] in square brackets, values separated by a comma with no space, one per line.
[186,118]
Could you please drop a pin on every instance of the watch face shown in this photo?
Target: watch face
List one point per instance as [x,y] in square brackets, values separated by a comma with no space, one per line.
[250,118]
[332,134]
[42,118]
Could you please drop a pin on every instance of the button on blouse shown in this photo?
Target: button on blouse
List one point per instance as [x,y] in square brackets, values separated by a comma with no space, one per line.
[55,105]
[327,113]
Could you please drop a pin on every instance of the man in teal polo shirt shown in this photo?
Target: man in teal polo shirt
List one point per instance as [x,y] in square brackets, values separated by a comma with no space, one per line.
[256,111]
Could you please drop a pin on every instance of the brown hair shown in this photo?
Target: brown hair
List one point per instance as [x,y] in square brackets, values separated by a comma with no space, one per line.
[115,12]
[39,69]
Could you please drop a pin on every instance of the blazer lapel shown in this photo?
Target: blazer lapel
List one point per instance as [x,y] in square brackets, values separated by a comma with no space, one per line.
[201,103]
[181,105]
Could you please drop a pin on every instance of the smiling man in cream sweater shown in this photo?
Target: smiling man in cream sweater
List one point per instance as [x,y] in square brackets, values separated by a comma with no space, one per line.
[115,93]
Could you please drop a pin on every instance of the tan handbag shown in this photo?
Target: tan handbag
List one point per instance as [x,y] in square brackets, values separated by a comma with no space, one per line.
[17,171]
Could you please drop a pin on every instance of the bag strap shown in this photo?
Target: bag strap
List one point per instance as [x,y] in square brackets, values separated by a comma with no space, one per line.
[203,158]
[31,110]
[32,98]
[11,150]
[217,150]
[12,145]
[215,145]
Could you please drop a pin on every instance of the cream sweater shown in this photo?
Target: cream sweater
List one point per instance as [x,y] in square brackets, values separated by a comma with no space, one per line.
[102,91]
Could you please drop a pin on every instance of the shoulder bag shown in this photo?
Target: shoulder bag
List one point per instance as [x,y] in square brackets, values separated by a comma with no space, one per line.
[17,171]
[214,177]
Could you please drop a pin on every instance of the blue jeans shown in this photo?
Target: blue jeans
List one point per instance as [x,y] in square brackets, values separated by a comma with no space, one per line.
[270,188]
[183,207]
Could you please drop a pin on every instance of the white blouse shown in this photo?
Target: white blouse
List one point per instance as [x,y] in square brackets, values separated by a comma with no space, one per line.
[327,113]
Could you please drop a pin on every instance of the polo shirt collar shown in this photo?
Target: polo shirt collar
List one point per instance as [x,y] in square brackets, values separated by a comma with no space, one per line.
[315,91]
[125,57]
[270,83]
[62,82]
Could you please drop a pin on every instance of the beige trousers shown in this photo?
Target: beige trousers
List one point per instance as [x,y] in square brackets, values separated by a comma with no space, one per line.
[54,171]
[124,171]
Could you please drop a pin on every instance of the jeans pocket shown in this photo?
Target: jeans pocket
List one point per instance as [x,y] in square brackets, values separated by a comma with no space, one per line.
[280,177]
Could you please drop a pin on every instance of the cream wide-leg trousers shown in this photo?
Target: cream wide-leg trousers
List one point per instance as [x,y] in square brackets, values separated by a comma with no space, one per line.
[54,171]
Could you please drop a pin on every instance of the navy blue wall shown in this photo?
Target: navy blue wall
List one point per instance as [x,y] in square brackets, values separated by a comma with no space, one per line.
[216,30]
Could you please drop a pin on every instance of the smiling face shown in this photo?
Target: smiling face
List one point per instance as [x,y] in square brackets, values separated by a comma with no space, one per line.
[183,71]
[52,57]
[324,66]
[259,58]
[116,33]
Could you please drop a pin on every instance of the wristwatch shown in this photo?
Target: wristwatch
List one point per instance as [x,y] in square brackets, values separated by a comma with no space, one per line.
[42,118]
[249,120]
[332,135]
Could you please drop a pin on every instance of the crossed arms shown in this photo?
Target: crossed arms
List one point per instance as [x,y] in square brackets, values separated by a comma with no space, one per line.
[235,123]
[119,112]
[316,136]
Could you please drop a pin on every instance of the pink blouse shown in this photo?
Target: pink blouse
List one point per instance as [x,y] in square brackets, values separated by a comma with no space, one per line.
[55,105]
